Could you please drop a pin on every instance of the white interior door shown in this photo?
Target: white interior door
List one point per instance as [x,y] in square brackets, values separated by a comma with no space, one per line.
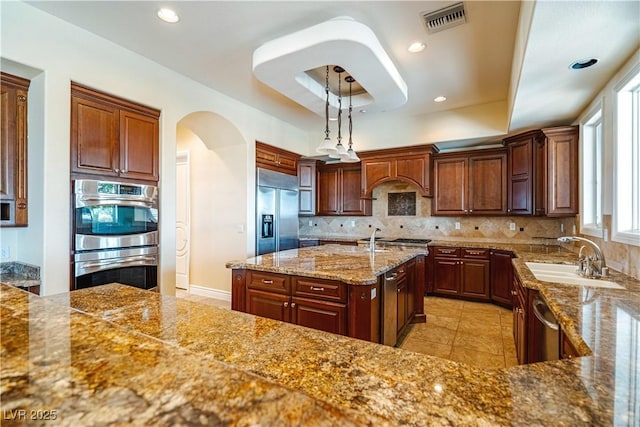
[183,190]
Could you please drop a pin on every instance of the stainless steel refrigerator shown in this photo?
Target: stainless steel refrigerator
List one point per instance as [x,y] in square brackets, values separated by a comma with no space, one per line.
[276,212]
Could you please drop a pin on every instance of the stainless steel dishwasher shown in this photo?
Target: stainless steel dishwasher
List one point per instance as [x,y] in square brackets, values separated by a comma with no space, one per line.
[549,330]
[390,308]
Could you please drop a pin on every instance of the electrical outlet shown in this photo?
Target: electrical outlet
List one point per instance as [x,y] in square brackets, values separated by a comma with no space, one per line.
[457,226]
[353,223]
[310,223]
[605,234]
[5,252]
[512,226]
[562,228]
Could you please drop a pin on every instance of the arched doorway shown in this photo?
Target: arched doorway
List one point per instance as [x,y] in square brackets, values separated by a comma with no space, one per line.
[211,194]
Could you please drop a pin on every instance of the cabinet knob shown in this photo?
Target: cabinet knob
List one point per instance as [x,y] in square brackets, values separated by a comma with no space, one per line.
[286,304]
[466,210]
[116,170]
[508,210]
[123,171]
[514,293]
[293,305]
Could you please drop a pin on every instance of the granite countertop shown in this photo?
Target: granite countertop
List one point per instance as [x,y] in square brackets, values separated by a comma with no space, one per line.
[241,367]
[19,275]
[350,264]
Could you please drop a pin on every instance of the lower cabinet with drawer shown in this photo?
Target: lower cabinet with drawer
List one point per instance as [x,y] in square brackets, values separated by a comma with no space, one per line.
[314,303]
[461,272]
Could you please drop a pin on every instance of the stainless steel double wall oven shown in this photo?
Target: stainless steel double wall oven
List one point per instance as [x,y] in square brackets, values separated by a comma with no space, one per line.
[115,234]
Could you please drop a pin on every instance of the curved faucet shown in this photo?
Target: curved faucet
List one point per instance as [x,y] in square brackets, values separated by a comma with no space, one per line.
[372,241]
[586,265]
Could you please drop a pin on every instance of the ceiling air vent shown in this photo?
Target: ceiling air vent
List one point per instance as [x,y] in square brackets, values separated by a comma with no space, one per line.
[443,19]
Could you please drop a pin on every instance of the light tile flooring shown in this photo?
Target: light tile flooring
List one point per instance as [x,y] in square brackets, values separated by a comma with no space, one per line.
[477,334]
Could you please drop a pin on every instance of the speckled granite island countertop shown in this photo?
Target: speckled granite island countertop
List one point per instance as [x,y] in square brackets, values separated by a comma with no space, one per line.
[357,380]
[349,264]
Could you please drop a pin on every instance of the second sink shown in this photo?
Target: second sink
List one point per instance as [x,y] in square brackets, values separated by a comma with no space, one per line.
[566,274]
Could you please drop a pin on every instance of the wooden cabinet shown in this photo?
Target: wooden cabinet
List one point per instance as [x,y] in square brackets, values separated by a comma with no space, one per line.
[314,303]
[112,137]
[411,165]
[470,184]
[13,151]
[306,187]
[567,349]
[338,191]
[461,272]
[543,172]
[501,278]
[520,320]
[276,159]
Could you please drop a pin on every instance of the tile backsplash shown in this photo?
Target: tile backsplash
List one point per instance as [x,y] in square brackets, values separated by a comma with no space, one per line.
[423,225]
[621,257]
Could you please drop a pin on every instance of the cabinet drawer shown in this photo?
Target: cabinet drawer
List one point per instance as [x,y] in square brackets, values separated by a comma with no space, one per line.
[475,253]
[320,289]
[268,282]
[446,252]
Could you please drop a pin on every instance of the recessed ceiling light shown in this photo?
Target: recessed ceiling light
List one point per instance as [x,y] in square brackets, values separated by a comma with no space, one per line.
[440,99]
[585,63]
[416,47]
[363,110]
[168,15]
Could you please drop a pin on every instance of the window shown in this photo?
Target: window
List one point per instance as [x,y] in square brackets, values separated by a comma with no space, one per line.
[626,215]
[591,223]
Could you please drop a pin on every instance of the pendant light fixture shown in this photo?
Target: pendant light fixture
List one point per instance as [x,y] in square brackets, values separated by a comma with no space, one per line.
[351,156]
[340,152]
[327,146]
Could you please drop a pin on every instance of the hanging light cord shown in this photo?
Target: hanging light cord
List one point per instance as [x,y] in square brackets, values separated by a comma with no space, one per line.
[326,106]
[350,108]
[339,106]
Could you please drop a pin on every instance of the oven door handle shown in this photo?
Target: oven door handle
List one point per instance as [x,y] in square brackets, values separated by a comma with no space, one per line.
[144,202]
[121,262]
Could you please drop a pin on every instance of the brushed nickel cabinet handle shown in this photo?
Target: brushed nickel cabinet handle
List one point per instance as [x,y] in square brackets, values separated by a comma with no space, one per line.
[314,288]
[286,304]
[293,305]
[116,170]
[267,282]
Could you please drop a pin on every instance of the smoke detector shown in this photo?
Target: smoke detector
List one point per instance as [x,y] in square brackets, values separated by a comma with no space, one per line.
[443,19]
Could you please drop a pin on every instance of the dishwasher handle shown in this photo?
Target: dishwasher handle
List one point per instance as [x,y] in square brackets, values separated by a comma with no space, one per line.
[537,304]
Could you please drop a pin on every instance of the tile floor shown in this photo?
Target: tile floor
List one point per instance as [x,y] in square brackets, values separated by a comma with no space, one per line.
[477,334]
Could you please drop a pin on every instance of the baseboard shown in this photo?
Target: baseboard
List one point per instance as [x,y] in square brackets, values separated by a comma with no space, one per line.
[211,293]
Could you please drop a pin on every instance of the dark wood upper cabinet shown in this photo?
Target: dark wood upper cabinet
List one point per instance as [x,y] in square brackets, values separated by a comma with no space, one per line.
[276,159]
[13,149]
[543,172]
[113,137]
[307,187]
[338,191]
[470,184]
[412,165]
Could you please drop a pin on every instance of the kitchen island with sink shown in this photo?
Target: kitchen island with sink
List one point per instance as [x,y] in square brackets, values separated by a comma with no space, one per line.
[348,290]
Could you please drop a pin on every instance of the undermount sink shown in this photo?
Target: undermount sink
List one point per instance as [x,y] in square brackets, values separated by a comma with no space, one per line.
[566,274]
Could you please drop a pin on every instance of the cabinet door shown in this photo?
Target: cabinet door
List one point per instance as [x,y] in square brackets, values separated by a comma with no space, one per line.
[446,275]
[307,187]
[139,146]
[374,172]
[411,288]
[488,184]
[474,278]
[415,169]
[8,114]
[520,177]
[328,190]
[352,204]
[450,181]
[562,172]
[321,315]
[402,304]
[94,137]
[267,304]
[501,278]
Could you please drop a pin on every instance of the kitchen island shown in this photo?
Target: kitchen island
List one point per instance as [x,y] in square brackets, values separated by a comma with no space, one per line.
[348,290]
[117,354]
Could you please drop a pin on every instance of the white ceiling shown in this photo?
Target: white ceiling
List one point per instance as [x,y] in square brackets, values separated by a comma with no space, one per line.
[470,64]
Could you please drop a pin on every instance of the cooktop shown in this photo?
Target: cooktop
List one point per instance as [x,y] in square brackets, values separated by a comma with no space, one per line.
[404,240]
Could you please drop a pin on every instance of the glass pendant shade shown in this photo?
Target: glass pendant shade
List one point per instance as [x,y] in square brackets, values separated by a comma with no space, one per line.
[340,152]
[351,157]
[327,147]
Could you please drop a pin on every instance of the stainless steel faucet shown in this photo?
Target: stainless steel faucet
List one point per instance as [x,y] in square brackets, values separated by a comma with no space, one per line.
[588,266]
[372,241]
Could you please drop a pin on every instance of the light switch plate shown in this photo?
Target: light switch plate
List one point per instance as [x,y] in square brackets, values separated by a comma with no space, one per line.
[512,226]
[457,226]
